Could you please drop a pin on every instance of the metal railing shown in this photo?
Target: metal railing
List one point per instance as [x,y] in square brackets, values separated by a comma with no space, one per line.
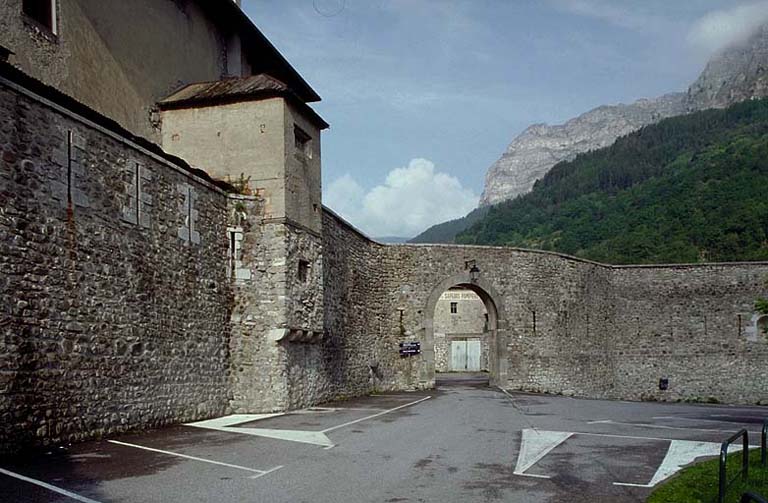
[752,498]
[724,482]
[763,450]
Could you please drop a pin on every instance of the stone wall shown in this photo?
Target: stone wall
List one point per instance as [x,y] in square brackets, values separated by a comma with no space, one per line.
[580,328]
[357,348]
[554,313]
[694,325]
[114,293]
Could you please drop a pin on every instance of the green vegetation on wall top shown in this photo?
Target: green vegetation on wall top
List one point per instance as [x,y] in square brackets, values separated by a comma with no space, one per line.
[689,189]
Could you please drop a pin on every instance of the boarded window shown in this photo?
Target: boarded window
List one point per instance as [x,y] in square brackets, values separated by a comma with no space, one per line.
[42,11]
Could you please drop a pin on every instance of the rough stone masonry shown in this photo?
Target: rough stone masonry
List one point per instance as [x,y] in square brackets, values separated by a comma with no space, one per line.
[135,293]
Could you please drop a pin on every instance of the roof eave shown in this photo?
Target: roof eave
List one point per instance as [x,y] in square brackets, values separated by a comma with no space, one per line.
[249,29]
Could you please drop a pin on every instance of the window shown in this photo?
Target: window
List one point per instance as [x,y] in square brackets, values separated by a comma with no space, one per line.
[303,142]
[41,11]
[303,271]
[454,307]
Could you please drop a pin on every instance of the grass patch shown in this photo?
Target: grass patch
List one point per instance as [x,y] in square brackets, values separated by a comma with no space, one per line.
[698,483]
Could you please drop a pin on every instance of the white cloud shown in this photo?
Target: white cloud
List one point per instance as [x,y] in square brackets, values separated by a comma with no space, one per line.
[720,29]
[622,14]
[409,201]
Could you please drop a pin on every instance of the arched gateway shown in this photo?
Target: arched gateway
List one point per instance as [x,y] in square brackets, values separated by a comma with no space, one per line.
[497,324]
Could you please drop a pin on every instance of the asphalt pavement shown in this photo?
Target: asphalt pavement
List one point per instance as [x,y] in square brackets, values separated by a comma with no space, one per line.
[463,442]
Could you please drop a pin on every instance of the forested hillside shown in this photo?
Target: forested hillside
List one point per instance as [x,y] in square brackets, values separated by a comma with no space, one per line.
[689,189]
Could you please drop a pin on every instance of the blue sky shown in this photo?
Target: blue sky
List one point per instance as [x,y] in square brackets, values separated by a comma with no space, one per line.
[424,95]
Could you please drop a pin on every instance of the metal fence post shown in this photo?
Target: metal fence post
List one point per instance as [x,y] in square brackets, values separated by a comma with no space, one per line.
[763,455]
[724,483]
[752,498]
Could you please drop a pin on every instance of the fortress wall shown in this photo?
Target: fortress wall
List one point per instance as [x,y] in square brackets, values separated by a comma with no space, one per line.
[563,351]
[113,307]
[694,325]
[356,349]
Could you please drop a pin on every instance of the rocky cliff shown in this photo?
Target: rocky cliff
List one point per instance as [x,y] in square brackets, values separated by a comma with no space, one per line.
[735,74]
[540,147]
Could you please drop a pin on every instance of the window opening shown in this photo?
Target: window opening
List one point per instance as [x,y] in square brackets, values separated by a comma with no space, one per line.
[41,11]
[303,270]
[303,141]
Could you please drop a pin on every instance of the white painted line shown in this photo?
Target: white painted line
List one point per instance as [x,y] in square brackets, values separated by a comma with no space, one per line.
[301,436]
[51,488]
[534,445]
[231,420]
[193,458]
[633,437]
[532,475]
[698,420]
[266,472]
[664,427]
[350,423]
[627,484]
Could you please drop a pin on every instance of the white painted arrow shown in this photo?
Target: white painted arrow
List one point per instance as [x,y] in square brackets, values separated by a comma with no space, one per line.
[228,423]
[304,437]
[680,454]
[534,445]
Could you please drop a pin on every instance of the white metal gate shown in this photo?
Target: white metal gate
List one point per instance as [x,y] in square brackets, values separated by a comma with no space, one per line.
[465,356]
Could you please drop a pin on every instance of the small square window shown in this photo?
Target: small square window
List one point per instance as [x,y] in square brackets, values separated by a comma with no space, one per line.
[41,11]
[454,307]
[303,142]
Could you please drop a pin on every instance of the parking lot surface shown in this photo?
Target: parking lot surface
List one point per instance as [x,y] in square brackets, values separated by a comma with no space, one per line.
[464,441]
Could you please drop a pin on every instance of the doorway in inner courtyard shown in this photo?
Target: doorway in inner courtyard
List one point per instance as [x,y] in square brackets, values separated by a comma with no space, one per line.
[465,330]
[461,332]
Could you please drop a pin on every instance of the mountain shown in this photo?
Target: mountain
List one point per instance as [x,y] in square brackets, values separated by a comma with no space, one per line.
[688,189]
[738,73]
[540,147]
[446,232]
[391,240]
[735,74]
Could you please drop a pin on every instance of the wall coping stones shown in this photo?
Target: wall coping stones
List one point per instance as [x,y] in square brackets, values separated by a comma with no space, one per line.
[22,83]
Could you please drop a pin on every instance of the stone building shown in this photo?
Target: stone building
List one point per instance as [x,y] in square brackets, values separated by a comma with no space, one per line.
[165,256]
[461,327]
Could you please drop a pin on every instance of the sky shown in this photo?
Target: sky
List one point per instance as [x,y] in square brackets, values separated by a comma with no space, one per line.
[424,95]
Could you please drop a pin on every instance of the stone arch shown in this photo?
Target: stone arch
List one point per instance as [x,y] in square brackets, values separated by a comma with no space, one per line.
[497,325]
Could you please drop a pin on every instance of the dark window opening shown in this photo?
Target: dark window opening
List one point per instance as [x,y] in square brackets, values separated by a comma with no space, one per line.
[303,142]
[42,11]
[303,270]
[454,307]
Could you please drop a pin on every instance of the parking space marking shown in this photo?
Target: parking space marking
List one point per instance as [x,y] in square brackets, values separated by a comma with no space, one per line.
[231,420]
[50,487]
[320,438]
[534,445]
[665,427]
[194,458]
[679,454]
[350,423]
